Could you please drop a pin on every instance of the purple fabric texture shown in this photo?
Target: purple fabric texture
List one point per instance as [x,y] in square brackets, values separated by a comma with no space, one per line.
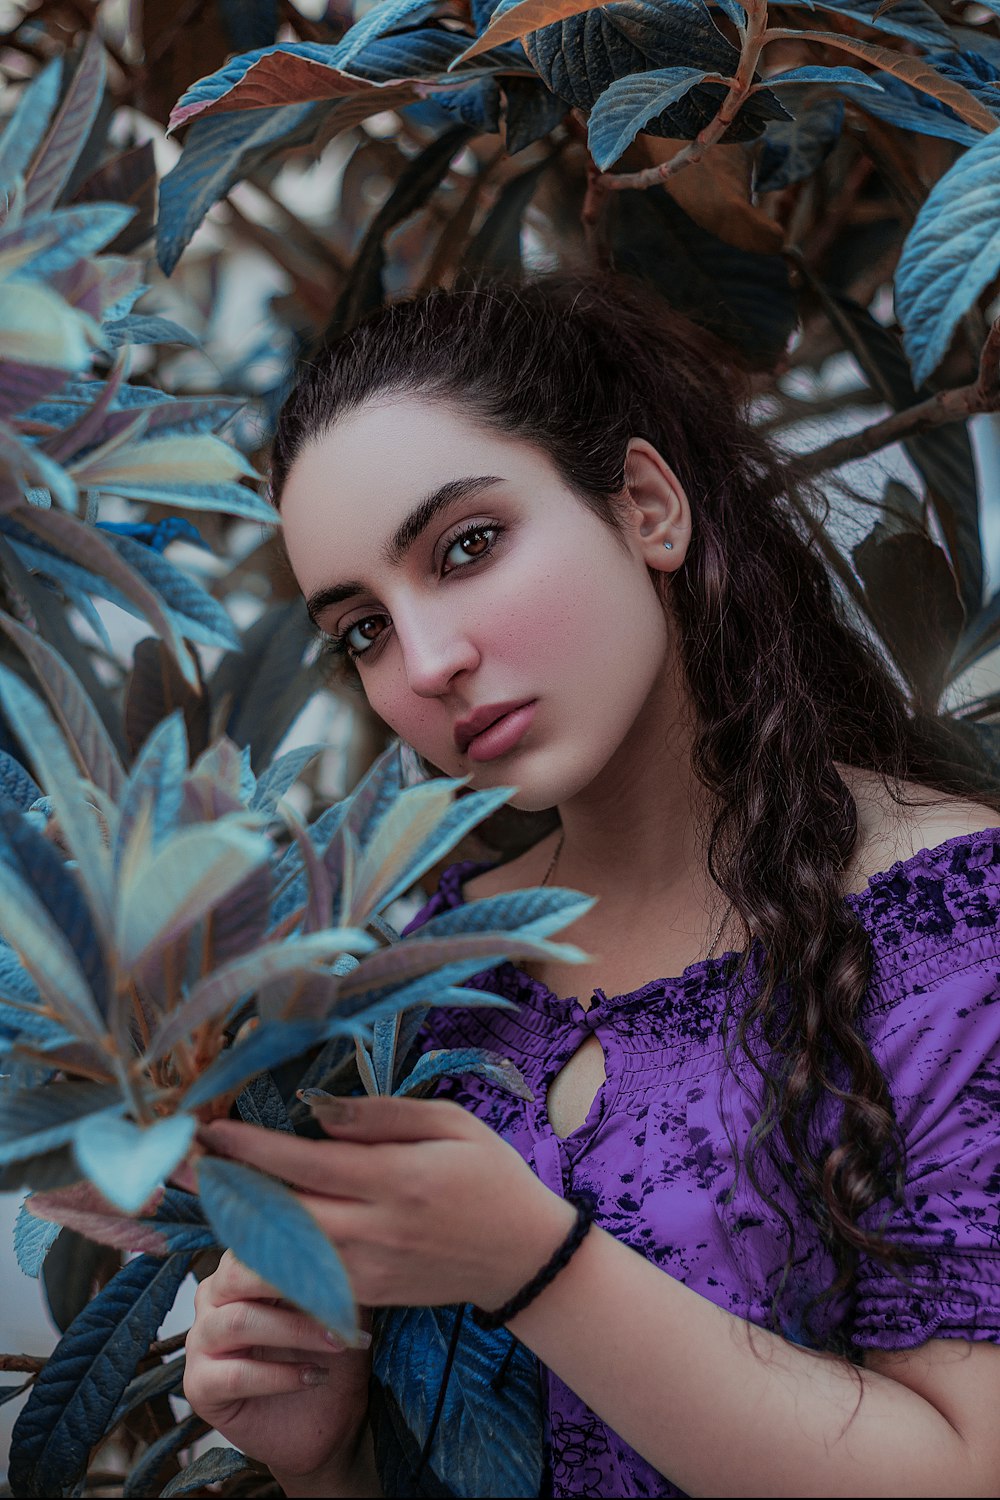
[657,1147]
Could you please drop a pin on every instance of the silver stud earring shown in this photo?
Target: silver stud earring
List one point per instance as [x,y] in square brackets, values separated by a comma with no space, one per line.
[669,546]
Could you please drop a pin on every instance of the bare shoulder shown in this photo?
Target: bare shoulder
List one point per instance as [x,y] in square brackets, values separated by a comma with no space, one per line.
[892,831]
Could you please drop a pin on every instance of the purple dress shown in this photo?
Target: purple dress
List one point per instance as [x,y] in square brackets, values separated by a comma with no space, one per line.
[657,1145]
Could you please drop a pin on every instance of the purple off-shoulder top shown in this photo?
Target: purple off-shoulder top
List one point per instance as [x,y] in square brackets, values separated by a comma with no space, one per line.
[657,1147]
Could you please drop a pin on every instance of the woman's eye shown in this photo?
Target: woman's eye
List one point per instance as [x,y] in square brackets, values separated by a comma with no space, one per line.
[471,545]
[356,636]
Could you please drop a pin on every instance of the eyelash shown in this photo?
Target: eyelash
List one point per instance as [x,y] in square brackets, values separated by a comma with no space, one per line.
[336,646]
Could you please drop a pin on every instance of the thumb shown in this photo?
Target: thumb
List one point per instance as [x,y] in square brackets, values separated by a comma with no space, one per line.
[385,1118]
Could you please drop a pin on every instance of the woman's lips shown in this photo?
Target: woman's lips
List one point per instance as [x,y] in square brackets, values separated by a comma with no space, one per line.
[502,736]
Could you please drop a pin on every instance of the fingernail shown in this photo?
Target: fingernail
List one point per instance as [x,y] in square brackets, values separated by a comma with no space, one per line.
[313,1096]
[334,1340]
[363,1340]
[334,1111]
[314,1375]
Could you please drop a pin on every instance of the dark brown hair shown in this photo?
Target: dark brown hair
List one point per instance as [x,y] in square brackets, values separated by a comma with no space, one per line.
[782,685]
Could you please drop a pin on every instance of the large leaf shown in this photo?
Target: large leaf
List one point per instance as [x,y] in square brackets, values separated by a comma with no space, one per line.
[487,1441]
[24,130]
[457,1062]
[197,615]
[51,168]
[405,960]
[35,1120]
[950,256]
[210,1467]
[33,1239]
[264,685]
[175,1224]
[155,780]
[896,569]
[270,1045]
[85,733]
[83,1381]
[125,1161]
[193,871]
[141,1478]
[268,1229]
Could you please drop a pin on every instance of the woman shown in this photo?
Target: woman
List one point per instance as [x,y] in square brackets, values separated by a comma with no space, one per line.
[538,525]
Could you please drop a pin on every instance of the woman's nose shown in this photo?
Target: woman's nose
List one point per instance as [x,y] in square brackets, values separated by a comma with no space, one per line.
[434,654]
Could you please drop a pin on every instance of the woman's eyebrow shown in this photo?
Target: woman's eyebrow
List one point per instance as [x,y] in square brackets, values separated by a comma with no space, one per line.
[406,534]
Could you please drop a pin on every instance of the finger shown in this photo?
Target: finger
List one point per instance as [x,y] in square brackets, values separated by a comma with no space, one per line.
[219,1382]
[344,1172]
[234,1282]
[256,1325]
[391,1119]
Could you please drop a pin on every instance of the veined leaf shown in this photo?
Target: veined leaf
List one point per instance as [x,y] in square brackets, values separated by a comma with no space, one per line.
[38,327]
[628,104]
[385,1036]
[406,959]
[280,775]
[199,617]
[126,1161]
[24,130]
[33,1239]
[15,783]
[210,1467]
[35,1120]
[260,1103]
[82,1383]
[913,70]
[97,757]
[193,871]
[456,1061]
[51,168]
[58,241]
[268,1229]
[214,995]
[270,1045]
[57,773]
[950,256]
[164,1379]
[156,778]
[173,1220]
[142,1475]
[520,20]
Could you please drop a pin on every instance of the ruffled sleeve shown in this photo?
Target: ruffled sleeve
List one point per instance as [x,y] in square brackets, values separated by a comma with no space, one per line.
[936,1032]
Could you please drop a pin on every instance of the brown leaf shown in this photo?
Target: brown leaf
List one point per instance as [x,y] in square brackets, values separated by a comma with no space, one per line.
[181,43]
[529,16]
[129,178]
[285,78]
[714,192]
[912,70]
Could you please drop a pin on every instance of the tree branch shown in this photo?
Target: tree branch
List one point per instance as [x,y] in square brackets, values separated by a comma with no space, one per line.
[741,85]
[945,406]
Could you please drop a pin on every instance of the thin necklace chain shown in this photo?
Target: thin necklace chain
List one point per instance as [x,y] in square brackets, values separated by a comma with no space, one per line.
[722,924]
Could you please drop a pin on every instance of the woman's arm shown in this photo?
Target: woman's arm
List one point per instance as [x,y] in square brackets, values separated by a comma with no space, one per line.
[428,1206]
[725,1408]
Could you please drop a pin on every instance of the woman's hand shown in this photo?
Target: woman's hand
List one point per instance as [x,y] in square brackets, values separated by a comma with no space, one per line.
[425,1204]
[270,1379]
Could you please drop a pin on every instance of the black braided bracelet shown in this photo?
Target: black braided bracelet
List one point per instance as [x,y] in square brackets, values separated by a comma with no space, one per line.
[585,1205]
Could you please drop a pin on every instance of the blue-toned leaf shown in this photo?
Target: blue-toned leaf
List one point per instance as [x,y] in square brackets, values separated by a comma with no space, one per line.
[980,635]
[48,957]
[260,1103]
[419,955]
[628,105]
[162,1380]
[249,23]
[147,329]
[33,858]
[211,1467]
[280,775]
[70,131]
[913,19]
[531,112]
[533,912]
[177,1225]
[911,109]
[218,153]
[140,1477]
[791,150]
[15,783]
[83,1381]
[487,1442]
[458,1061]
[267,1228]
[33,1239]
[385,1035]
[58,775]
[270,1045]
[82,726]
[823,75]
[374,794]
[34,1120]
[213,997]
[199,617]
[157,779]
[950,256]
[193,871]
[24,130]
[26,461]
[128,1161]
[58,240]
[417,831]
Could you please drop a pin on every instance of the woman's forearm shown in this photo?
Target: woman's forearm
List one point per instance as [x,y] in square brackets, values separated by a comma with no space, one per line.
[724,1408]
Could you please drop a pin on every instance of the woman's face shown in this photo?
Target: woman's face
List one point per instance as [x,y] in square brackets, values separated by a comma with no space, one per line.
[466,577]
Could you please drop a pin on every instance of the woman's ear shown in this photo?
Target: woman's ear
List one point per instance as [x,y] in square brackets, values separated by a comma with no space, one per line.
[661,513]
